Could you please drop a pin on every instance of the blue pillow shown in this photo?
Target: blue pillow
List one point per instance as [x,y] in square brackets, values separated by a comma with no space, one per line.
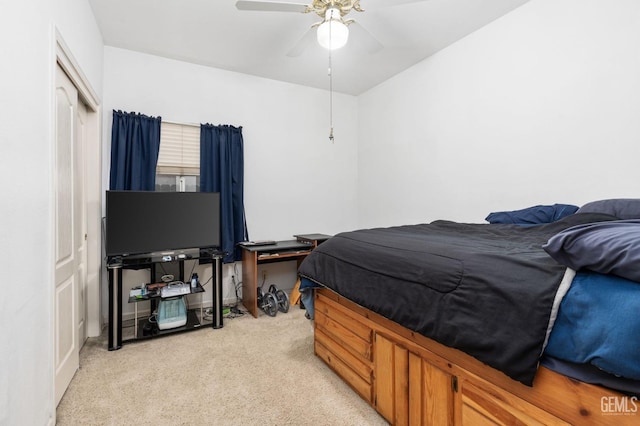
[622,208]
[533,215]
[598,323]
[611,247]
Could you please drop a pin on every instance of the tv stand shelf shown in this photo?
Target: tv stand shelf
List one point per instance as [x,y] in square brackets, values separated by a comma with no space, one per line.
[193,323]
[192,320]
[147,297]
[115,266]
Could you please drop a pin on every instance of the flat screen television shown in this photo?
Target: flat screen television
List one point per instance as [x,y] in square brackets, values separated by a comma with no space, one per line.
[141,222]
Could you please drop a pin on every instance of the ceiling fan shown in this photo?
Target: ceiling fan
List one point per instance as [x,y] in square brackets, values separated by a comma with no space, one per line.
[332,32]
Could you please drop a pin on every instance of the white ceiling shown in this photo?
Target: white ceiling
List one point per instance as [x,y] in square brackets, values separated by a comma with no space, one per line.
[215,33]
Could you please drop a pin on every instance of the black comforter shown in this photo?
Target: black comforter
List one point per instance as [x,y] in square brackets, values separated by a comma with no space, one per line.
[487,290]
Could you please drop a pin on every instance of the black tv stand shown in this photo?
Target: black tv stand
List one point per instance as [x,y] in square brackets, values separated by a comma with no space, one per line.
[115,266]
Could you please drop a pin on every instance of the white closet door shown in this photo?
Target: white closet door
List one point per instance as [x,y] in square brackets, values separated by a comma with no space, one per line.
[67,226]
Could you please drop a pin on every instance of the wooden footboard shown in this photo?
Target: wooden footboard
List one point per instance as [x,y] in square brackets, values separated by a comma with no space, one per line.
[410,379]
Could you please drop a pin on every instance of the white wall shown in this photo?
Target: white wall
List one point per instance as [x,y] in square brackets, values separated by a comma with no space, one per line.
[75,21]
[27,44]
[296,181]
[539,107]
[25,307]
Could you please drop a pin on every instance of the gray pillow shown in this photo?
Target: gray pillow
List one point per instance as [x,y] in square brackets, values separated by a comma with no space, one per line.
[622,208]
[611,247]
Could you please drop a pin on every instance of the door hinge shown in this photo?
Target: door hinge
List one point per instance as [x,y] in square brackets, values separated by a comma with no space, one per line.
[454,383]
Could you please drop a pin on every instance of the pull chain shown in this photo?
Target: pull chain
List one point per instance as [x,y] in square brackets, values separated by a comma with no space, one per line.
[330,88]
[330,99]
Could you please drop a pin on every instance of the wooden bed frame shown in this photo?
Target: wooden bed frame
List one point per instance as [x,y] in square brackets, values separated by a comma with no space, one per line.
[410,379]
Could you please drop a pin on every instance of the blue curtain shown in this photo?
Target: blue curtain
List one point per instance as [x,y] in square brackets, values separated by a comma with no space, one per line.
[222,170]
[135,143]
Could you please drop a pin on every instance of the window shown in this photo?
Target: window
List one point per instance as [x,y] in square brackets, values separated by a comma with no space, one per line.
[178,166]
[181,183]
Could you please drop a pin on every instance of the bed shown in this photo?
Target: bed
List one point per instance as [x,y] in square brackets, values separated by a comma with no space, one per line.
[529,319]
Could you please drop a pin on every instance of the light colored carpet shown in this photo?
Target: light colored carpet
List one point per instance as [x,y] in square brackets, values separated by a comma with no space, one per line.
[250,372]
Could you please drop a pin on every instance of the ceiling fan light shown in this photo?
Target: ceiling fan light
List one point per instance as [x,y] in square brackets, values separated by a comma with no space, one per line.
[332,34]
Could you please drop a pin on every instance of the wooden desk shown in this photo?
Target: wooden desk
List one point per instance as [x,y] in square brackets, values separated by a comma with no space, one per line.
[281,251]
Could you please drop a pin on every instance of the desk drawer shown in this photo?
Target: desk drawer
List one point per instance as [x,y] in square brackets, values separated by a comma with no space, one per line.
[345,344]
[363,387]
[343,327]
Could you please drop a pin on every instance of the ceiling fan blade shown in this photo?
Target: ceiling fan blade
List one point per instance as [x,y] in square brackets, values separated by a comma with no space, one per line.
[305,41]
[270,6]
[364,38]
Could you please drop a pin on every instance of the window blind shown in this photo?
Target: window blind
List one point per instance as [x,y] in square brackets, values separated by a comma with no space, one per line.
[179,149]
